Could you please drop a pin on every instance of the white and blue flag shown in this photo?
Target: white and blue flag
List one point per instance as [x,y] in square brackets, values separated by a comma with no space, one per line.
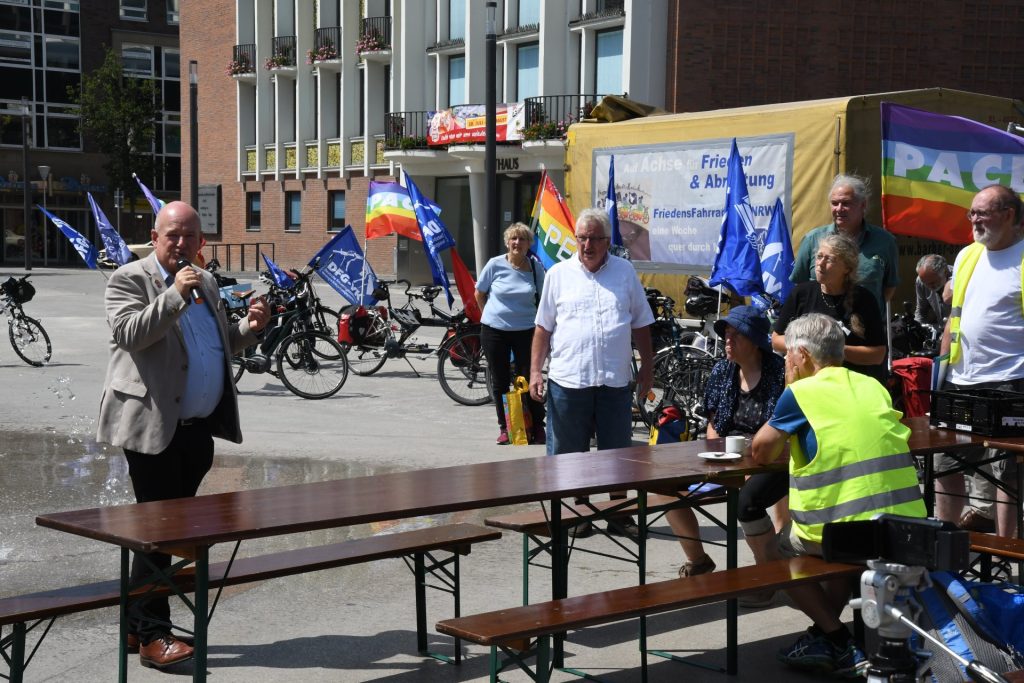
[281,278]
[777,256]
[436,237]
[117,250]
[341,264]
[85,248]
[737,263]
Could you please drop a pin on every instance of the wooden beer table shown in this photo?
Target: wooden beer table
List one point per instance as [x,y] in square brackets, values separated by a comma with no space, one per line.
[198,523]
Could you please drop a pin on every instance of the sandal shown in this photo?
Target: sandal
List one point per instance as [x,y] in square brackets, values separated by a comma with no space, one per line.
[690,568]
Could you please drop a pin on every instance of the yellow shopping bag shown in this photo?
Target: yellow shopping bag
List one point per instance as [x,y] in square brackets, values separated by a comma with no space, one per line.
[517,418]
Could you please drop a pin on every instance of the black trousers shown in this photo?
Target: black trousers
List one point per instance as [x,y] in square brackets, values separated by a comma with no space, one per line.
[498,346]
[174,473]
[760,492]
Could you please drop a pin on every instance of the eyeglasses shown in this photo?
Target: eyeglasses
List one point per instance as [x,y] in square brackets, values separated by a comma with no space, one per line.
[591,238]
[981,215]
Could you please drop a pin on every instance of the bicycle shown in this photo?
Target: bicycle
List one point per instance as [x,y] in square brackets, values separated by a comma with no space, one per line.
[371,335]
[28,338]
[310,363]
[680,369]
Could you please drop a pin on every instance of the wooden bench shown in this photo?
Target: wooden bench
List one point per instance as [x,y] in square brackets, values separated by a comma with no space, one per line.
[21,611]
[502,629]
[535,525]
[989,545]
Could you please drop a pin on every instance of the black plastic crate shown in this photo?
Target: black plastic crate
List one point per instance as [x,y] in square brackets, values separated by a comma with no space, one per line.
[991,412]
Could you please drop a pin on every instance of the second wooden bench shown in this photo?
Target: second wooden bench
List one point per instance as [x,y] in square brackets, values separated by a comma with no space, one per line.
[25,613]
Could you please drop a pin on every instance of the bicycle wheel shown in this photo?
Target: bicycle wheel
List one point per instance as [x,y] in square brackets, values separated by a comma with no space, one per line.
[368,356]
[312,365]
[680,375]
[237,365]
[326,320]
[462,370]
[29,340]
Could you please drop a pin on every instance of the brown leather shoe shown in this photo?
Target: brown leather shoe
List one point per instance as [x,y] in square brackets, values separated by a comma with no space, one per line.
[164,651]
[972,520]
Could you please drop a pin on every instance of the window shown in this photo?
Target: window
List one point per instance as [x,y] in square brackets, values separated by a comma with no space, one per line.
[336,210]
[456,81]
[173,11]
[61,53]
[456,19]
[529,12]
[293,211]
[137,59]
[527,71]
[62,132]
[15,47]
[609,63]
[253,217]
[172,63]
[134,10]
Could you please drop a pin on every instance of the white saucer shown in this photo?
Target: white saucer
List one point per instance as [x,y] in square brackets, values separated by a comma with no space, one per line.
[719,455]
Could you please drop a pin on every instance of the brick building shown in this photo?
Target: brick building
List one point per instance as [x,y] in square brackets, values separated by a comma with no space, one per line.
[736,53]
[290,141]
[46,47]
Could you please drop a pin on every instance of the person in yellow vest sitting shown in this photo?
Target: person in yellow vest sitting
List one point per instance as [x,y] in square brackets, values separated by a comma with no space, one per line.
[848,460]
[984,335]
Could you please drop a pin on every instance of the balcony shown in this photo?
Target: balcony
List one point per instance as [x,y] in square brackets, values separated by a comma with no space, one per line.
[406,130]
[608,12]
[374,42]
[548,117]
[282,60]
[326,50]
[243,62]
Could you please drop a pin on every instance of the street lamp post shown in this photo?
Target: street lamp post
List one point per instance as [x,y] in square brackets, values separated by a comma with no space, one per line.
[118,198]
[490,148]
[193,131]
[26,131]
[44,173]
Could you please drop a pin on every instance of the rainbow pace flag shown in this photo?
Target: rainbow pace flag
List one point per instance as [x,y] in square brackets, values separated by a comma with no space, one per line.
[552,223]
[934,164]
[389,209]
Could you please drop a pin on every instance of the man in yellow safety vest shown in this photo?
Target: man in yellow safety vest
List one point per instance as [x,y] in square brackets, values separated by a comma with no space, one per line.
[848,460]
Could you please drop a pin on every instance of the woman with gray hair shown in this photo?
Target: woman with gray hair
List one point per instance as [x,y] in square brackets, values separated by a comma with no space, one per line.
[507,291]
[835,293]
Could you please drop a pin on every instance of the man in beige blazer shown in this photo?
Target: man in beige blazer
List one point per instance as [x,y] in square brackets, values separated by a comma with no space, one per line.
[169,391]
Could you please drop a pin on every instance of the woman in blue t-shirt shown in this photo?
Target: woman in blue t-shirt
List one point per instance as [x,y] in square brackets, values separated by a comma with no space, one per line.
[507,291]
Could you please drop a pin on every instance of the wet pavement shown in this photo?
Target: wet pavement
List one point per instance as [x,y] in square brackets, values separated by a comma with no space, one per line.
[350,624]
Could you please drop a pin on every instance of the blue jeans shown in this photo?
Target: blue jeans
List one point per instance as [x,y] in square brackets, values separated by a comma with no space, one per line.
[573,415]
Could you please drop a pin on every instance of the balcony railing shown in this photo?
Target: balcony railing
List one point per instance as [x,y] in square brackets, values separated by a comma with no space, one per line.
[549,116]
[406,129]
[374,34]
[327,45]
[243,59]
[284,52]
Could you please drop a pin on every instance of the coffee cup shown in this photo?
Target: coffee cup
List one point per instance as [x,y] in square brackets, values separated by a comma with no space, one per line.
[737,444]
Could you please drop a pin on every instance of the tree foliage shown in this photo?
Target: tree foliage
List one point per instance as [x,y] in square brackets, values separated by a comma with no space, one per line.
[118,114]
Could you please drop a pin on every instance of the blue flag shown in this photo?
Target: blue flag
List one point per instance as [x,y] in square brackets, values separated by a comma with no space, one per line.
[83,246]
[281,278]
[341,264]
[436,237]
[777,256]
[612,206]
[117,250]
[157,204]
[737,263]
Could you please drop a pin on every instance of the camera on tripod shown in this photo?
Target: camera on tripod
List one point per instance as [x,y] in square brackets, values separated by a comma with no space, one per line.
[899,551]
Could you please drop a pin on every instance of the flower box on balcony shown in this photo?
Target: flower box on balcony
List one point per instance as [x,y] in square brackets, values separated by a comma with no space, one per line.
[276,62]
[323,53]
[240,66]
[371,42]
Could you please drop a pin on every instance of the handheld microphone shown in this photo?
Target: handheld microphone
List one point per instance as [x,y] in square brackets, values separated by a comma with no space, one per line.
[196,296]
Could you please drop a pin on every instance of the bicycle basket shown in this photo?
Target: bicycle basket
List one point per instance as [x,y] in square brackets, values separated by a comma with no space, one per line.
[20,291]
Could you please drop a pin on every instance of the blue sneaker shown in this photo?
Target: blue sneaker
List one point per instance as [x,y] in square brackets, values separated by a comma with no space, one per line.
[848,662]
[811,652]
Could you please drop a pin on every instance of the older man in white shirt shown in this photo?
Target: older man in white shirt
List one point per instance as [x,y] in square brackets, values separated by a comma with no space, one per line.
[592,307]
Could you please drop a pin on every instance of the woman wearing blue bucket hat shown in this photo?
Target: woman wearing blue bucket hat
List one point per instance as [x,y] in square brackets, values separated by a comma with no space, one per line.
[739,397]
